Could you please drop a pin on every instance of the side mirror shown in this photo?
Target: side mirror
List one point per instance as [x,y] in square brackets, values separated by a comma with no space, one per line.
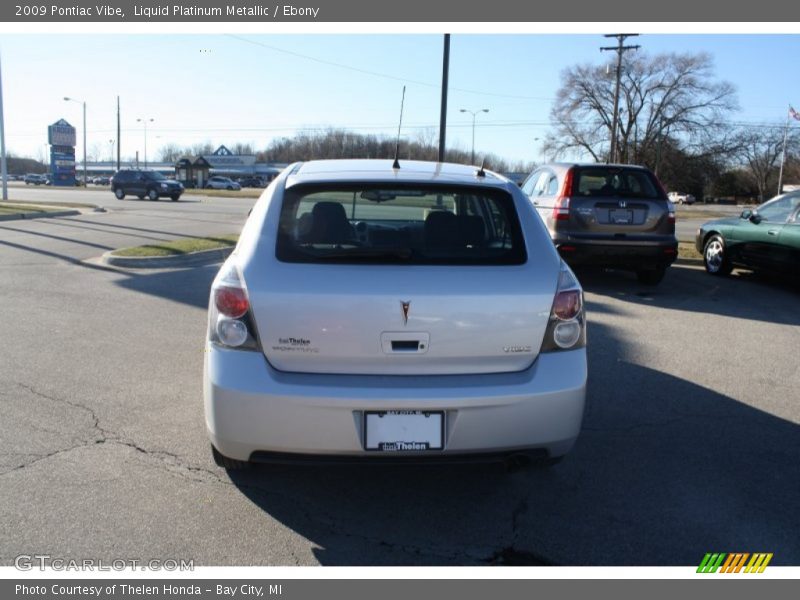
[755,218]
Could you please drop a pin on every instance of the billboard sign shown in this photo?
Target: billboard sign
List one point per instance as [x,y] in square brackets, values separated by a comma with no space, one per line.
[62,165]
[61,133]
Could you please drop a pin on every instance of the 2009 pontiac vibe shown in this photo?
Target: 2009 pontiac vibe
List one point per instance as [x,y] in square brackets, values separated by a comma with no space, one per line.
[376,311]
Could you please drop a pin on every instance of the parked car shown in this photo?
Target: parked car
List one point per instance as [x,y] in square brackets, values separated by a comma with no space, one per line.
[606,215]
[765,238]
[222,183]
[35,179]
[375,313]
[253,182]
[101,180]
[681,198]
[150,184]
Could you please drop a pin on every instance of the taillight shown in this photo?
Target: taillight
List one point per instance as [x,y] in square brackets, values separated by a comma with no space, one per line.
[561,206]
[561,209]
[231,302]
[567,304]
[230,322]
[566,328]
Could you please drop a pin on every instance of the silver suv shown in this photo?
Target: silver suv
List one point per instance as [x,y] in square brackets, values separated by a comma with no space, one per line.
[370,312]
[606,215]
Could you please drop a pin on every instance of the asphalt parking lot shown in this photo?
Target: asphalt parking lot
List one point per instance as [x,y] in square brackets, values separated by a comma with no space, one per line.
[690,444]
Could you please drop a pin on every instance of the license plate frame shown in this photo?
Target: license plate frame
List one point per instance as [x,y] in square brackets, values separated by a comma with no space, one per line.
[620,217]
[422,435]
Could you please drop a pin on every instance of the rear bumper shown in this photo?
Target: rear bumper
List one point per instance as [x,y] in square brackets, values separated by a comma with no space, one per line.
[634,255]
[254,412]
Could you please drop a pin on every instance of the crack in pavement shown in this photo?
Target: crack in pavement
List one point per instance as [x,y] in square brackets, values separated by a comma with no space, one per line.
[175,464]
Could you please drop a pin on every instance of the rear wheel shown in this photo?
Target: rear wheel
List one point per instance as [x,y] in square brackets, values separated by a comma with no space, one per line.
[651,276]
[152,195]
[715,256]
[119,193]
[229,464]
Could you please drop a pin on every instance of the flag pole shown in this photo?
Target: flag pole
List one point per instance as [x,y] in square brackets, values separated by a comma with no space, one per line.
[783,153]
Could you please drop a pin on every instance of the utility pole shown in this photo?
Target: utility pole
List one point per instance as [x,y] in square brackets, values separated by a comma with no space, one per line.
[3,164]
[119,139]
[620,48]
[443,115]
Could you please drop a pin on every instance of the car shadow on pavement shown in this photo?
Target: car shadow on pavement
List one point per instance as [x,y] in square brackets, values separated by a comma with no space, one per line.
[743,295]
[664,471]
[187,286]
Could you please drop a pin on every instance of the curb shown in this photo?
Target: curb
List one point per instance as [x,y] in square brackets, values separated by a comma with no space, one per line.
[193,259]
[695,262]
[19,216]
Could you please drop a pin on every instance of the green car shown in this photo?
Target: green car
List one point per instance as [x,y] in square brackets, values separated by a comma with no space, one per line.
[766,238]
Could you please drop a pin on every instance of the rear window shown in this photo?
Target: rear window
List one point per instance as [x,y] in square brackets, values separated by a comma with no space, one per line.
[615,182]
[399,225]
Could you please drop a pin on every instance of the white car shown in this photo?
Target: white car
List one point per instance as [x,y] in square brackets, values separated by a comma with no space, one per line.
[681,198]
[418,313]
[222,183]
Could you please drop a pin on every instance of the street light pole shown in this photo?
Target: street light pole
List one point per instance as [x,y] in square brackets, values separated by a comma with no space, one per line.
[83,102]
[144,121]
[474,114]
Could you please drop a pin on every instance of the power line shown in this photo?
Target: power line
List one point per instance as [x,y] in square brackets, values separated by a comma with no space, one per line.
[383,75]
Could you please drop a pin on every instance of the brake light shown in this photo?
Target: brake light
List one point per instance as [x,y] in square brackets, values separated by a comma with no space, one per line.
[230,321]
[231,301]
[567,304]
[561,207]
[566,329]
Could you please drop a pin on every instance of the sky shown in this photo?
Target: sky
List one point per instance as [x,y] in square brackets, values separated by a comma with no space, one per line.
[252,88]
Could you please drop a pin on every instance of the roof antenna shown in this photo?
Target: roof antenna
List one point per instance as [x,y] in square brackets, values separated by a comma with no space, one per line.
[396,164]
[481,172]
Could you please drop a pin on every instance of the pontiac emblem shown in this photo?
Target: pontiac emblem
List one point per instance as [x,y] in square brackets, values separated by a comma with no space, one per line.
[405,305]
[622,204]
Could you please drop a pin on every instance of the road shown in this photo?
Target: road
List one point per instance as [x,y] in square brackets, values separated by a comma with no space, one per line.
[690,442]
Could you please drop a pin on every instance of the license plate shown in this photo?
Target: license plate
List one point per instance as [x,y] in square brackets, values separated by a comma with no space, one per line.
[621,217]
[403,430]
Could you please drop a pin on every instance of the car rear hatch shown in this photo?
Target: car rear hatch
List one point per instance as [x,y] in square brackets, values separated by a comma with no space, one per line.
[400,281]
[619,202]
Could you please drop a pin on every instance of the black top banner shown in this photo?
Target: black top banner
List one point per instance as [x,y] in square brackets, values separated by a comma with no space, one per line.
[440,11]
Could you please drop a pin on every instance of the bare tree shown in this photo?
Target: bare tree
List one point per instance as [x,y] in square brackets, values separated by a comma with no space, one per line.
[172,152]
[759,151]
[671,95]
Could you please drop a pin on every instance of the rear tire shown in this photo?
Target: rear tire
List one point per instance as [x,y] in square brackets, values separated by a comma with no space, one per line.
[715,257]
[119,193]
[651,276]
[229,464]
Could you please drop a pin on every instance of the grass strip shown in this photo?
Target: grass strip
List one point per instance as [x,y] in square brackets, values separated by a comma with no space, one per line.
[16,209]
[180,247]
[688,251]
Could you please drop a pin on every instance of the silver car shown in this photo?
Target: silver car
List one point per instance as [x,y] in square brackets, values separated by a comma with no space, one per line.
[218,182]
[370,312]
